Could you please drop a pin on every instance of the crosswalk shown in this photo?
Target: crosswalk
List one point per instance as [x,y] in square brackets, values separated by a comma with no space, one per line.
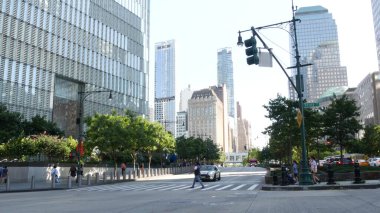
[167,187]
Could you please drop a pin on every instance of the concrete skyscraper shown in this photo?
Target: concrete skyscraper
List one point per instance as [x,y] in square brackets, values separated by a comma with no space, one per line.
[318,45]
[164,99]
[376,23]
[226,76]
[56,53]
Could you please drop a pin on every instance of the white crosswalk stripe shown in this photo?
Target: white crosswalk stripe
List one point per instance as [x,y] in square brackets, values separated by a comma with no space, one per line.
[238,187]
[167,187]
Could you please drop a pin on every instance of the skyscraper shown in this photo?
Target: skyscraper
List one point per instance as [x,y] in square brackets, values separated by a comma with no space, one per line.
[318,45]
[226,76]
[376,23]
[53,51]
[164,99]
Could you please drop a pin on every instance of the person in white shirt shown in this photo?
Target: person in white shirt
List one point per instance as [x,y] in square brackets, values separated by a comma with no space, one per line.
[55,173]
[314,169]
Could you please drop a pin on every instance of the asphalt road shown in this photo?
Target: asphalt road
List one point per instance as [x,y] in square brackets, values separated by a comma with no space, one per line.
[233,193]
[238,191]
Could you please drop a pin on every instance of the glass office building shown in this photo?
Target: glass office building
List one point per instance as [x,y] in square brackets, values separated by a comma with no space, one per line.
[318,45]
[53,49]
[376,23]
[164,85]
[226,76]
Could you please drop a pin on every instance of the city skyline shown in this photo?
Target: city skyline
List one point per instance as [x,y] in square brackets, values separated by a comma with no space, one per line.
[199,37]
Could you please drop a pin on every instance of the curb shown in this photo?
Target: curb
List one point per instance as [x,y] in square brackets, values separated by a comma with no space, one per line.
[319,187]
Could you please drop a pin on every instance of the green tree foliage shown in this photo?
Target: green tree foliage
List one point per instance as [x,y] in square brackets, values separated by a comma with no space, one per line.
[369,144]
[39,125]
[110,133]
[340,121]
[284,131]
[11,125]
[53,147]
[196,149]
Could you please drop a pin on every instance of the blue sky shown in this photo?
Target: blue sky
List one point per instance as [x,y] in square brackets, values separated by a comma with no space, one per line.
[201,27]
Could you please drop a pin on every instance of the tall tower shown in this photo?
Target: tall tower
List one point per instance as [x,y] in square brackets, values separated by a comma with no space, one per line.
[318,45]
[376,23]
[226,76]
[164,99]
[55,55]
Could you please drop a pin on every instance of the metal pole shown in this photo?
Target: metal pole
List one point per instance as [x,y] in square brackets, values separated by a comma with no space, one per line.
[305,176]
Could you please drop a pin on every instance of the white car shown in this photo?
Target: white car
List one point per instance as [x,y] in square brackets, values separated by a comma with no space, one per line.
[374,161]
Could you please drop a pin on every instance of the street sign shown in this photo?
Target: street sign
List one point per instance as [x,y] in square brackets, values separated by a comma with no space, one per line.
[299,118]
[310,105]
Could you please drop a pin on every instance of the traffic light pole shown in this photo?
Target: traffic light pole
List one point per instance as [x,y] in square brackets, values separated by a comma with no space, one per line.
[305,175]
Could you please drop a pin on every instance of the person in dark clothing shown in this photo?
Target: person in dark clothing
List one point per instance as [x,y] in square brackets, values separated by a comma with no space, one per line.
[73,171]
[197,175]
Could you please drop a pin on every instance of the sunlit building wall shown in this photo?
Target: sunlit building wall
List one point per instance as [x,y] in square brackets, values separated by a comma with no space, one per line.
[53,49]
[164,85]
[318,45]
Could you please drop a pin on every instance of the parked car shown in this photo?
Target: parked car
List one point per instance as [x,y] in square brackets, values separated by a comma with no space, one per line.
[210,172]
[374,161]
[344,161]
[363,162]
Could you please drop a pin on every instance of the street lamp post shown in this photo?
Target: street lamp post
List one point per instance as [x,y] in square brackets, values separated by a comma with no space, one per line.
[82,98]
[305,176]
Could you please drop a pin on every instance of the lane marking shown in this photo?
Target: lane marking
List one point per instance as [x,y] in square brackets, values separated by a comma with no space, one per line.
[252,187]
[238,187]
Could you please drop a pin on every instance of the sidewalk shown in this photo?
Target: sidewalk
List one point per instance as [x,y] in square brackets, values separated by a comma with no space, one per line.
[47,185]
[369,184]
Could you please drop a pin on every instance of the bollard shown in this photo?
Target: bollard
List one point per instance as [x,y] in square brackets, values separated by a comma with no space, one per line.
[53,182]
[134,174]
[275,179]
[79,180]
[117,176]
[8,185]
[124,176]
[129,174]
[88,179]
[330,175]
[32,183]
[284,181]
[104,177]
[69,182]
[357,179]
[97,178]
[111,176]
[138,173]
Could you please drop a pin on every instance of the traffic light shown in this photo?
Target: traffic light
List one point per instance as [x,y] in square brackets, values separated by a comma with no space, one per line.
[251,51]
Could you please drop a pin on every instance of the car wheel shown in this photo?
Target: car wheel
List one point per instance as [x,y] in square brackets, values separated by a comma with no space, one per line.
[214,178]
[219,177]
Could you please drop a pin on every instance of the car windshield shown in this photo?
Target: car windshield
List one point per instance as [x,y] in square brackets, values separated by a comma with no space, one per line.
[207,168]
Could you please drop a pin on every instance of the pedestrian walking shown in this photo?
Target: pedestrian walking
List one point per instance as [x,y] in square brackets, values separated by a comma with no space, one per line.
[55,173]
[314,170]
[295,171]
[73,171]
[197,175]
[123,166]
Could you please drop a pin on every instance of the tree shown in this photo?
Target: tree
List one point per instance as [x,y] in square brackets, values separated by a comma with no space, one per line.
[110,133]
[340,121]
[284,130]
[11,125]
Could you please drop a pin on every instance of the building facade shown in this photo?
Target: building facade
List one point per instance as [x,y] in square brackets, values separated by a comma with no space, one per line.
[54,50]
[185,95]
[181,125]
[226,76]
[367,96]
[243,127]
[318,45]
[376,23]
[206,116]
[164,85]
